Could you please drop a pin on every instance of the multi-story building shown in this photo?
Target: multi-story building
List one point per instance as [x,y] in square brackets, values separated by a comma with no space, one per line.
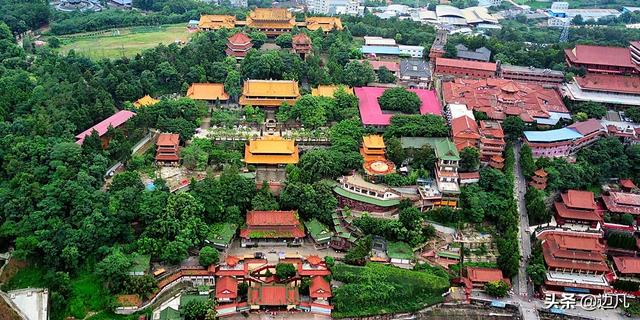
[464,131]
[378,46]
[499,98]
[415,73]
[591,130]
[375,163]
[238,45]
[604,88]
[301,44]
[465,68]
[531,74]
[564,141]
[600,59]
[270,155]
[539,179]
[168,149]
[363,196]
[269,93]
[576,263]
[272,21]
[491,140]
[577,210]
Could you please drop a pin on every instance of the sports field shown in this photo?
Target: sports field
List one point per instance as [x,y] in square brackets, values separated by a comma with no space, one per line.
[123,42]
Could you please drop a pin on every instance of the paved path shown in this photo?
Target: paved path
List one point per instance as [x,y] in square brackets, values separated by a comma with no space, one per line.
[523,287]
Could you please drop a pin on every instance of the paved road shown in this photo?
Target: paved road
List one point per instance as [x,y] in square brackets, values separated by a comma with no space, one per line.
[524,288]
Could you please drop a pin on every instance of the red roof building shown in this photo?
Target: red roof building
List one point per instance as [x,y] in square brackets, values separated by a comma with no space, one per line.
[496,162]
[168,149]
[577,207]
[465,68]
[238,45]
[491,140]
[539,179]
[591,130]
[319,288]
[627,185]
[621,203]
[226,289]
[601,59]
[575,261]
[273,295]
[301,44]
[627,266]
[271,227]
[499,98]
[464,131]
[115,121]
[392,66]
[372,115]
[481,276]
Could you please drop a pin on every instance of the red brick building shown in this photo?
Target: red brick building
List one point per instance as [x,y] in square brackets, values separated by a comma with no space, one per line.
[238,45]
[268,227]
[465,68]
[577,208]
[601,59]
[491,140]
[499,98]
[168,149]
[301,44]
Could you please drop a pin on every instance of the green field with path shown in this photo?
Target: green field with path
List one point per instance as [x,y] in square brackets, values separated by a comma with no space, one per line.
[124,42]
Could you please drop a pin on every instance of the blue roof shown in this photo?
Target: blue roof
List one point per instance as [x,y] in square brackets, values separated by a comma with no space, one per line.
[380,50]
[552,135]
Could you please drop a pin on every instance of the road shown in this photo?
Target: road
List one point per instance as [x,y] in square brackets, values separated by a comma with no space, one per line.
[524,288]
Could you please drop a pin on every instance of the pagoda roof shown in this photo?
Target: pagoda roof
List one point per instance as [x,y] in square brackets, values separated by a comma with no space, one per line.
[273,295]
[627,265]
[568,213]
[373,141]
[145,101]
[556,257]
[271,150]
[226,288]
[271,88]
[540,172]
[272,224]
[168,139]
[271,14]
[579,199]
[621,202]
[600,55]
[484,275]
[325,23]
[217,21]
[239,38]
[319,288]
[301,38]
[207,91]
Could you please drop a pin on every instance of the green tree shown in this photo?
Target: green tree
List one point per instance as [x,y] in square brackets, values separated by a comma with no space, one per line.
[400,99]
[592,109]
[527,164]
[469,159]
[196,309]
[357,74]
[194,158]
[633,113]
[113,268]
[264,199]
[395,152]
[284,40]
[359,253]
[208,256]
[513,127]
[496,289]
[285,270]
[232,84]
[536,208]
[386,76]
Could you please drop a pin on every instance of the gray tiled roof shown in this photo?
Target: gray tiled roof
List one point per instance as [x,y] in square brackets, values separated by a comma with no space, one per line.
[415,68]
[480,54]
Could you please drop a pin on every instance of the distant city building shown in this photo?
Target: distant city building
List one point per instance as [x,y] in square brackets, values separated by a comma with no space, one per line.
[378,46]
[558,22]
[480,54]
[630,9]
[239,3]
[489,3]
[447,15]
[560,5]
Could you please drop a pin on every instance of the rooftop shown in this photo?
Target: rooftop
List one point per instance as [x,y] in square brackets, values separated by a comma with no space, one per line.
[327,90]
[168,139]
[271,150]
[399,250]
[318,231]
[102,127]
[271,14]
[272,218]
[373,141]
[271,88]
[239,38]
[587,127]
[273,295]
[444,147]
[371,113]
[562,134]
[475,65]
[480,54]
[325,23]
[222,233]
[380,50]
[207,91]
[627,265]
[620,202]
[145,101]
[609,83]
[377,64]
[319,288]
[600,55]
[484,274]
[579,199]
[414,68]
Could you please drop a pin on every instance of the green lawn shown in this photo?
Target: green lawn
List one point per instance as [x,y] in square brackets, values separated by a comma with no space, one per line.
[127,43]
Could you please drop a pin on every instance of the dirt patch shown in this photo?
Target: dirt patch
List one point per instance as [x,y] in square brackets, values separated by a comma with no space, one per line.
[6,312]
[11,269]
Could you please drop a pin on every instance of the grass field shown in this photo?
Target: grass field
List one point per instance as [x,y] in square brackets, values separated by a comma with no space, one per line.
[125,42]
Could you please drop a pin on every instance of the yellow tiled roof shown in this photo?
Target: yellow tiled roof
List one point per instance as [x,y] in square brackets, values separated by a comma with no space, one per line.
[325,90]
[373,141]
[324,23]
[216,21]
[271,14]
[207,91]
[271,150]
[271,88]
[145,101]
